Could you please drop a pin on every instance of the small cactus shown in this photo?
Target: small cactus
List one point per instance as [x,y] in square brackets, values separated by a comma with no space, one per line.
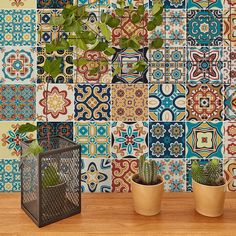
[148,171]
[210,174]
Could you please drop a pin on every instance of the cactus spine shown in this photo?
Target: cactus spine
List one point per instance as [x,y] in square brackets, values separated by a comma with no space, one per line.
[147,171]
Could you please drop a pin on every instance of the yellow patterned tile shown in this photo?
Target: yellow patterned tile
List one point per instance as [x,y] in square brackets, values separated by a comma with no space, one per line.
[17,4]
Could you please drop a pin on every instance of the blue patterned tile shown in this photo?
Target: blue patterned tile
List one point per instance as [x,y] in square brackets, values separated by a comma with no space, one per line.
[166,140]
[53,3]
[167,102]
[92,102]
[175,4]
[17,28]
[203,4]
[94,138]
[229,102]
[96,175]
[204,140]
[9,175]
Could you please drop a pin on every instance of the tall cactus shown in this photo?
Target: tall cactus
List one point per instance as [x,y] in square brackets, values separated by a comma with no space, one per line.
[210,174]
[148,171]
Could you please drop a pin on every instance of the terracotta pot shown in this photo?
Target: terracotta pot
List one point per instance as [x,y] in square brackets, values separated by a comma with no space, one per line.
[209,200]
[147,198]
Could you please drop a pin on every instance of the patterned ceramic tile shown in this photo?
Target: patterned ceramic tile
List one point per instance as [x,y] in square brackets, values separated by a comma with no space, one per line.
[92,102]
[18,28]
[122,172]
[229,27]
[203,4]
[64,129]
[60,102]
[45,32]
[167,102]
[17,65]
[95,59]
[94,138]
[189,171]
[125,58]
[129,139]
[204,140]
[18,4]
[204,102]
[174,4]
[17,102]
[130,102]
[96,175]
[230,174]
[10,139]
[53,3]
[205,65]
[204,28]
[67,67]
[230,139]
[229,4]
[230,102]
[166,140]
[9,175]
[173,173]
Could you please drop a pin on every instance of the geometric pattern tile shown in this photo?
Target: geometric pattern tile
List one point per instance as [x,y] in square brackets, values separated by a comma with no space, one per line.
[129,139]
[230,174]
[18,28]
[53,3]
[229,26]
[204,140]
[17,102]
[230,139]
[17,65]
[166,140]
[9,175]
[167,102]
[18,4]
[10,139]
[94,138]
[230,102]
[96,175]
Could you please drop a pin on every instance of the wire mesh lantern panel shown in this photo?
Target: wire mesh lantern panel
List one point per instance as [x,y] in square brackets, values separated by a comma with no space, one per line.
[50,182]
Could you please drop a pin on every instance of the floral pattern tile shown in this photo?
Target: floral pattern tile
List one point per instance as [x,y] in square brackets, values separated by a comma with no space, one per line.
[166,140]
[167,102]
[18,4]
[204,102]
[204,27]
[94,138]
[122,172]
[205,65]
[230,139]
[96,175]
[125,58]
[17,65]
[9,175]
[230,174]
[173,173]
[229,27]
[60,102]
[230,102]
[130,102]
[64,129]
[202,4]
[204,140]
[67,67]
[92,102]
[18,28]
[189,171]
[17,102]
[10,139]
[53,3]
[175,4]
[129,139]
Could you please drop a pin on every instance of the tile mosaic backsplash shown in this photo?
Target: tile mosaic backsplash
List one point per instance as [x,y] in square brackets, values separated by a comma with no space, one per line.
[181,108]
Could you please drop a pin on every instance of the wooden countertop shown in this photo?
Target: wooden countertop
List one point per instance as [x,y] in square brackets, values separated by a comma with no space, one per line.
[112,214]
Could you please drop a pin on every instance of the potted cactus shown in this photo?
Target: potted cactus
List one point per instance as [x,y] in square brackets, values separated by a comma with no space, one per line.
[209,188]
[147,188]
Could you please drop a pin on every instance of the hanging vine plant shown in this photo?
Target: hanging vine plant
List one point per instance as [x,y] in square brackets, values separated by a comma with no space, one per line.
[82,36]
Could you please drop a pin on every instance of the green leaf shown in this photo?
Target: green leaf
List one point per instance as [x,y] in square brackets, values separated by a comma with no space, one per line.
[156,7]
[113,22]
[81,62]
[50,47]
[94,71]
[134,44]
[57,20]
[110,51]
[26,128]
[105,31]
[74,27]
[121,3]
[135,18]
[50,177]
[157,20]
[141,9]
[151,26]
[101,46]
[33,149]
[103,17]
[81,44]
[53,67]
[124,42]
[119,12]
[139,67]
[131,7]
[157,43]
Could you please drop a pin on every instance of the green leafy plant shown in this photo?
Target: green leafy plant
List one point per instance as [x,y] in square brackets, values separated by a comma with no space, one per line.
[147,172]
[50,177]
[208,174]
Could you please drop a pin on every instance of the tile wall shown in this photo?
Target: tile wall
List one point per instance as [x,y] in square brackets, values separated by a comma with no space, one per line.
[183,107]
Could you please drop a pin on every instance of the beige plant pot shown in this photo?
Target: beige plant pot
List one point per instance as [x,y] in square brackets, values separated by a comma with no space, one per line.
[209,200]
[147,198]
